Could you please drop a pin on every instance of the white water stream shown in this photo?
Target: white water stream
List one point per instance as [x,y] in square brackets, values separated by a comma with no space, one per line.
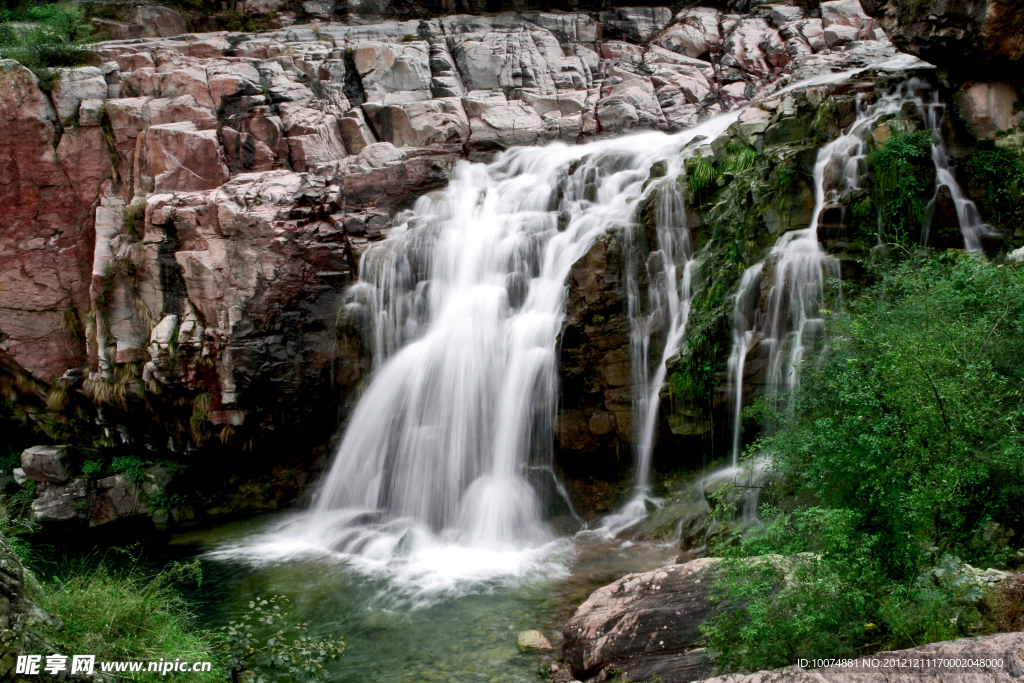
[430,486]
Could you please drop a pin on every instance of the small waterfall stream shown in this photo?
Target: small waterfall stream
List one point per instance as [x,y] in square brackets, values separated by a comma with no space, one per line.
[799,268]
[971,225]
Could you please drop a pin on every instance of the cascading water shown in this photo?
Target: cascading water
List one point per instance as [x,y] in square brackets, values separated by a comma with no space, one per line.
[744,327]
[462,306]
[464,302]
[971,226]
[799,268]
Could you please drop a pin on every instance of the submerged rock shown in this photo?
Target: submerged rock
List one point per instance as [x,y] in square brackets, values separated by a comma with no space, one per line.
[531,641]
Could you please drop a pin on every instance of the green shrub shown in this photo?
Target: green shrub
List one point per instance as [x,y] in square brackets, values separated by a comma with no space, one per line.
[130,465]
[999,174]
[50,37]
[810,584]
[904,178]
[910,434]
[915,419]
[266,639]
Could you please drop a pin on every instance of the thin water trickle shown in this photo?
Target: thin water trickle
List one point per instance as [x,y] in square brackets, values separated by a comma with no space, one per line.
[971,226]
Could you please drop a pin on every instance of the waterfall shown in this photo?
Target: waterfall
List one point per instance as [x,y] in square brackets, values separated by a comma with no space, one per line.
[798,266]
[744,327]
[463,302]
[971,225]
[461,306]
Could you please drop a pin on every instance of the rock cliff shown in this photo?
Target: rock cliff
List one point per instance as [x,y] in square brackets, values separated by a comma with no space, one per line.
[185,215]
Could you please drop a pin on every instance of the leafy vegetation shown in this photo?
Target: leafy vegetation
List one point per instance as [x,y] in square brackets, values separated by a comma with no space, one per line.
[999,175]
[127,615]
[266,639]
[45,38]
[908,434]
[904,179]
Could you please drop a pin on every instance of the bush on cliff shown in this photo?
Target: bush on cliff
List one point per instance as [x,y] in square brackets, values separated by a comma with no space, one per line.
[910,434]
[45,37]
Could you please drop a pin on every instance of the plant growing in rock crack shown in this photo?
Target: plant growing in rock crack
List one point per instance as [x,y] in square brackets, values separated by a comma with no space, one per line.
[904,176]
[130,465]
[267,645]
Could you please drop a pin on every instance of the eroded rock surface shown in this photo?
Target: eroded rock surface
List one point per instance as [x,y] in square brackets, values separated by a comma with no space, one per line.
[644,625]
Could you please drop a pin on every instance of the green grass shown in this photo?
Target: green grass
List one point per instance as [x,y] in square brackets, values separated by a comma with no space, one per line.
[123,615]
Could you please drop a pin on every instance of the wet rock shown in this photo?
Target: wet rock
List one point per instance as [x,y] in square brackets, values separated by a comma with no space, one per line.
[594,348]
[46,463]
[987,108]
[61,502]
[531,641]
[965,37]
[644,625]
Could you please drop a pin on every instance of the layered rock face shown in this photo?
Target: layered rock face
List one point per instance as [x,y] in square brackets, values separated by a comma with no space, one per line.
[188,212]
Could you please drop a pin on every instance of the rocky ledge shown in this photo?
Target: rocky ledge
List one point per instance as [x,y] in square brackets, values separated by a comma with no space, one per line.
[182,218]
[647,627]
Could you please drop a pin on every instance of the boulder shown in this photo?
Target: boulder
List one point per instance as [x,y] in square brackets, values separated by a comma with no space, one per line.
[178,157]
[115,498]
[531,641]
[637,23]
[493,119]
[19,476]
[155,21]
[644,625]
[419,124]
[695,33]
[629,103]
[61,502]
[46,463]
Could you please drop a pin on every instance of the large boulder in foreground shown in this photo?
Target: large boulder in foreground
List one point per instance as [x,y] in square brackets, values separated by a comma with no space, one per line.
[967,37]
[644,625]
